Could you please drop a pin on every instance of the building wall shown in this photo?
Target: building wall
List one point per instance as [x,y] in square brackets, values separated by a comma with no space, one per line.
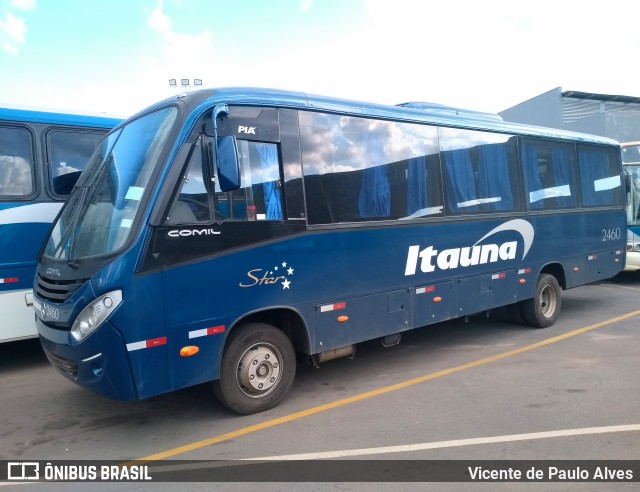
[542,110]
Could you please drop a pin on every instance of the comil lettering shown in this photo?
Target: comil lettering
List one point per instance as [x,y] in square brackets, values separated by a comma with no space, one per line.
[478,254]
[193,232]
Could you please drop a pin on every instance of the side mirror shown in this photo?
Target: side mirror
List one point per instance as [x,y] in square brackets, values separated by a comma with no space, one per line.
[227,163]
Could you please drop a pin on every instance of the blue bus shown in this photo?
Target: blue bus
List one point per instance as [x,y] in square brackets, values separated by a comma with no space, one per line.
[631,163]
[225,234]
[41,156]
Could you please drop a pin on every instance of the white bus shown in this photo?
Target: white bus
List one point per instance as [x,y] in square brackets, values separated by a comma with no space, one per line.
[631,163]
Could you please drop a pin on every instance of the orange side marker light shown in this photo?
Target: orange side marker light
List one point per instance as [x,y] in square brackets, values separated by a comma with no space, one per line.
[189,350]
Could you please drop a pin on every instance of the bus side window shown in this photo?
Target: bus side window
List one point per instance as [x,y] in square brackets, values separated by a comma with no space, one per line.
[68,153]
[191,204]
[359,169]
[479,171]
[599,177]
[549,174]
[16,163]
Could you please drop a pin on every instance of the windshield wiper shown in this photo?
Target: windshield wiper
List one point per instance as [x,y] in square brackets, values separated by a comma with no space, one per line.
[82,206]
[68,240]
[74,223]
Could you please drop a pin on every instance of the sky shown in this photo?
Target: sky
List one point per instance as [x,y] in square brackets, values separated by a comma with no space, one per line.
[117,56]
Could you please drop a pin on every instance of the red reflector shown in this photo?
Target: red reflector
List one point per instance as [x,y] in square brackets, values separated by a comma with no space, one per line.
[333,307]
[10,280]
[425,290]
[156,341]
[215,330]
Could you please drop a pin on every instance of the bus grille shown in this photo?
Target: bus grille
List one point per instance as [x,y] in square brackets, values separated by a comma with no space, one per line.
[56,291]
[65,366]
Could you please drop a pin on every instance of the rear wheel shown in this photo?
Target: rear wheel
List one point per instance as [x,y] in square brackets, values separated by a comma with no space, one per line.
[258,368]
[542,311]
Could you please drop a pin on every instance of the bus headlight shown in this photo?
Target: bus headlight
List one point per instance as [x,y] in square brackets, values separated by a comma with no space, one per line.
[92,316]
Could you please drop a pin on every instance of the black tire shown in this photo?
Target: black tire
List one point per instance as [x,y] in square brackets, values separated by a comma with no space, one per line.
[257,370]
[542,311]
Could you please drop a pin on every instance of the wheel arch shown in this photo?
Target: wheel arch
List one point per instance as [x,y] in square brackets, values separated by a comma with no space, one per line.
[557,270]
[286,319]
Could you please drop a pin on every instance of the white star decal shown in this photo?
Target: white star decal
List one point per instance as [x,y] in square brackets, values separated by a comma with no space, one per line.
[290,271]
[285,284]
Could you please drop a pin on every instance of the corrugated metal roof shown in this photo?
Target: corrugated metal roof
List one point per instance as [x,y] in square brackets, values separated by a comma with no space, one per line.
[577,105]
[602,97]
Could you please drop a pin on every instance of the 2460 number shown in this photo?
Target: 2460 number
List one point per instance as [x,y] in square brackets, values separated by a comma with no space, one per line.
[611,234]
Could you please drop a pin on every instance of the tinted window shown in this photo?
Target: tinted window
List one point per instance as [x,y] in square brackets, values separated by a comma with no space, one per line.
[549,174]
[599,176]
[191,205]
[358,169]
[480,173]
[16,163]
[291,165]
[68,153]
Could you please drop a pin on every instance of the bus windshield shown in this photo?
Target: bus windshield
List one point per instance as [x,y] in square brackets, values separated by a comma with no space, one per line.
[633,207]
[98,217]
[631,153]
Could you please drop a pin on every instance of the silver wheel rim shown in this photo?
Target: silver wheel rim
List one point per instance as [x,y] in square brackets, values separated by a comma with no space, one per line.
[548,301]
[259,370]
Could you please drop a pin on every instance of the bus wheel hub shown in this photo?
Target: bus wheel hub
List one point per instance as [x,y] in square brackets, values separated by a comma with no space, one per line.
[259,370]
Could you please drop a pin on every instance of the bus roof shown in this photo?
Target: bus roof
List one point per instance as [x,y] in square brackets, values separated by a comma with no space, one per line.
[413,112]
[58,117]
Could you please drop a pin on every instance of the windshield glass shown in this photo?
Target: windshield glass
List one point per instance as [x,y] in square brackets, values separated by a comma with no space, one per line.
[631,153]
[633,206]
[98,217]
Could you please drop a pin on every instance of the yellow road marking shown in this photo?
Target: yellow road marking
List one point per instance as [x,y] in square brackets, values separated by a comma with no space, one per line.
[370,394]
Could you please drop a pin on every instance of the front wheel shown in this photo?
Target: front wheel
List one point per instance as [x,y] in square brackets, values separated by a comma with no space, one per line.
[542,311]
[258,368]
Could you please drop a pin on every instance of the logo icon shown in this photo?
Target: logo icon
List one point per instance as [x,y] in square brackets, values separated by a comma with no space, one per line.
[278,275]
[23,470]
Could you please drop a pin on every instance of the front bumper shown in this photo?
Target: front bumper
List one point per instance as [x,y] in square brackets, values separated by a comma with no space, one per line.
[633,261]
[99,363]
